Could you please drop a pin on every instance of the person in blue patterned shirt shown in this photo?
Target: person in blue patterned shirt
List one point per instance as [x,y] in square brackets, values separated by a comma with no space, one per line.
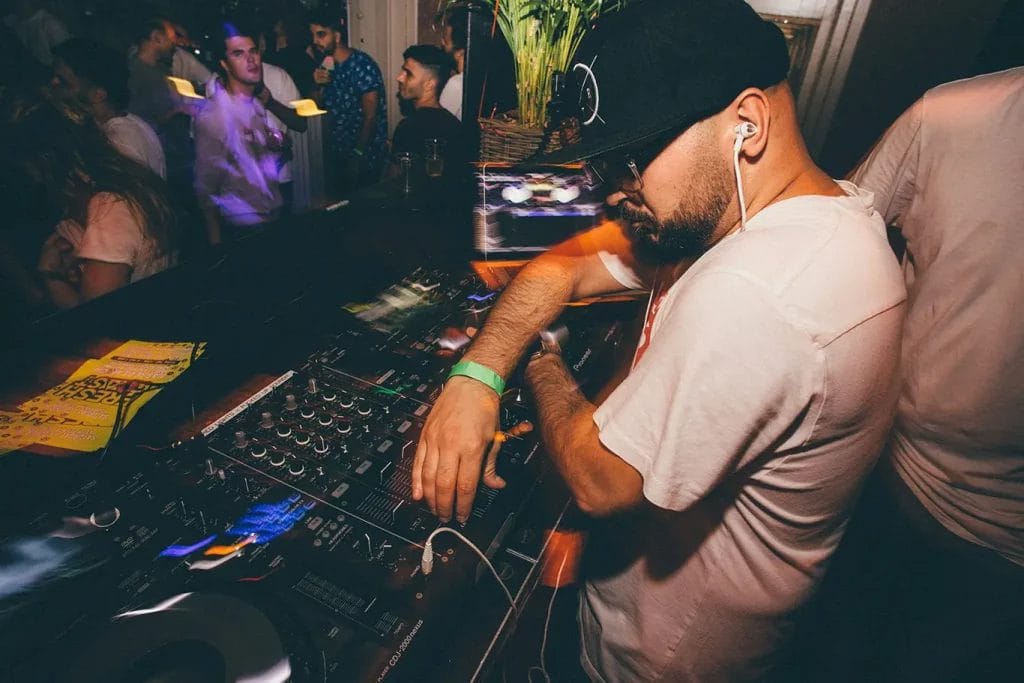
[352,90]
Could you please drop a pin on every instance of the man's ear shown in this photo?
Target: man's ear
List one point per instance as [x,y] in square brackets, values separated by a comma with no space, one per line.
[97,95]
[753,106]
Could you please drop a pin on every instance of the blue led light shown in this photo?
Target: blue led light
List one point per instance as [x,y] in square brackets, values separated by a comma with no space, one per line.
[183,550]
[478,297]
[267,521]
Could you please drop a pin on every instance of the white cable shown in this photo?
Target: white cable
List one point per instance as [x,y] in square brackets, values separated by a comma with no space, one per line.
[547,623]
[427,562]
[739,182]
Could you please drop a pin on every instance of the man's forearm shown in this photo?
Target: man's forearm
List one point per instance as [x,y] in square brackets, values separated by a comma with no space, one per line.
[601,483]
[532,301]
[287,116]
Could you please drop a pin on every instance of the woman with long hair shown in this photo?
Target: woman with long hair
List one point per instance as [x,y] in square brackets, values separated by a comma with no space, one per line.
[114,223]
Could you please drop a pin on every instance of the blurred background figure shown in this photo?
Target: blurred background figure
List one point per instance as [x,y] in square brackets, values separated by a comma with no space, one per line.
[239,153]
[97,77]
[350,87]
[184,63]
[288,45]
[453,40]
[37,29]
[111,219]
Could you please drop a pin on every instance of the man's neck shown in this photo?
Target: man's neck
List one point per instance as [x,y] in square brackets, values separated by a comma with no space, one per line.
[237,88]
[103,113]
[460,60]
[341,53]
[428,103]
[148,53]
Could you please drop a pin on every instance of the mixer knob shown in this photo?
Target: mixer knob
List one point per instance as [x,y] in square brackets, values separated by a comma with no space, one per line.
[105,519]
[364,409]
[289,402]
[258,451]
[346,402]
[240,440]
[329,395]
[266,420]
[277,459]
[311,386]
[343,427]
[296,468]
[321,446]
[301,438]
[210,470]
[284,430]
[307,413]
[325,420]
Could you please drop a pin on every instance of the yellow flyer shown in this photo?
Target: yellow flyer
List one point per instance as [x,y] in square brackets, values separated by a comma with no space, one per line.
[79,413]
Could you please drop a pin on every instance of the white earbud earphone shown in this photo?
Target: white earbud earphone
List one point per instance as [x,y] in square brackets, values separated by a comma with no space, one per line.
[743,131]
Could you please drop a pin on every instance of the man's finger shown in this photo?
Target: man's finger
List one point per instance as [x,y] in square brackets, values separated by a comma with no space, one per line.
[417,469]
[491,478]
[428,475]
[468,479]
[444,486]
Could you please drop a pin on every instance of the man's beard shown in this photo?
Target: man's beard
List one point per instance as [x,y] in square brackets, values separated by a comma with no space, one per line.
[406,106]
[327,50]
[688,232]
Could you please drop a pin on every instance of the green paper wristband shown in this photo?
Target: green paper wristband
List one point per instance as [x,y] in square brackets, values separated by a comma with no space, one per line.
[481,373]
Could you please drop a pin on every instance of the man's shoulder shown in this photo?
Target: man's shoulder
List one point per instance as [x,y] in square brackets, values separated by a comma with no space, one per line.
[825,260]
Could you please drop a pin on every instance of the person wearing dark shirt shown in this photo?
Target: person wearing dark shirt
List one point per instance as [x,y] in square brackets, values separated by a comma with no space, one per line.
[422,78]
[351,88]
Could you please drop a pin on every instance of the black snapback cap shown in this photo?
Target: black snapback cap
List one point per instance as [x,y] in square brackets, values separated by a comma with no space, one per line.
[662,65]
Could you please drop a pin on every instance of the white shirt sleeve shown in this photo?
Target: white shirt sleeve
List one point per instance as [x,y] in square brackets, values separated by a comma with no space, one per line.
[112,233]
[725,379]
[890,171]
[617,268]
[451,96]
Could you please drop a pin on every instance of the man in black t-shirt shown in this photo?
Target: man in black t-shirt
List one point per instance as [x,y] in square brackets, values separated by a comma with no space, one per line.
[425,71]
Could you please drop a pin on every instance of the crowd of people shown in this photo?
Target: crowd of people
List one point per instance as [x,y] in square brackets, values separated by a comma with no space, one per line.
[151,145]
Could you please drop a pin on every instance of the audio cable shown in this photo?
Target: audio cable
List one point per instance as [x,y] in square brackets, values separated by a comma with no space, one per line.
[427,562]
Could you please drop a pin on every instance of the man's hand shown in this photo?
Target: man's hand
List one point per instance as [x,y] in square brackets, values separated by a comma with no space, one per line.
[450,455]
[263,94]
[321,76]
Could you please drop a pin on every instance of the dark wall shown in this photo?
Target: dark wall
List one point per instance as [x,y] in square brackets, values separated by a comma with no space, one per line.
[906,47]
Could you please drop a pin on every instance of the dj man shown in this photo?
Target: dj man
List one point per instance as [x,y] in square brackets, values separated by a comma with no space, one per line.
[724,467]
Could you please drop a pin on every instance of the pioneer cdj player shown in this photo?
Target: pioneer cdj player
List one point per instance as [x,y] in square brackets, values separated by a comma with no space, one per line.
[282,543]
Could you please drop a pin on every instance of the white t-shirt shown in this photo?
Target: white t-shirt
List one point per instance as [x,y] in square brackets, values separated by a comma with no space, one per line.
[451,96]
[136,140]
[113,235]
[753,416]
[282,88]
[238,165]
[950,174]
[185,65]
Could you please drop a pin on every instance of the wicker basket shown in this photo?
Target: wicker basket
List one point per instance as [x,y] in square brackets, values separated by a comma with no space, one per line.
[504,139]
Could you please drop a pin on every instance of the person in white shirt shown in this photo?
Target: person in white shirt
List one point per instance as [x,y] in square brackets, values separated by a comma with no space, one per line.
[721,472]
[97,76]
[239,152]
[453,40]
[930,584]
[114,223]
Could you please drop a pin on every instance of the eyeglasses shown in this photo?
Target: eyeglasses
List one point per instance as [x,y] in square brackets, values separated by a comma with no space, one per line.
[623,167]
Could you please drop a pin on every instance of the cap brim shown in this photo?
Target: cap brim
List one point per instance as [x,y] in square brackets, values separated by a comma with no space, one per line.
[581,151]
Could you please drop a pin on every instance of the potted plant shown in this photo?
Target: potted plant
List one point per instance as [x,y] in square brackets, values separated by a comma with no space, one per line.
[543,36]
